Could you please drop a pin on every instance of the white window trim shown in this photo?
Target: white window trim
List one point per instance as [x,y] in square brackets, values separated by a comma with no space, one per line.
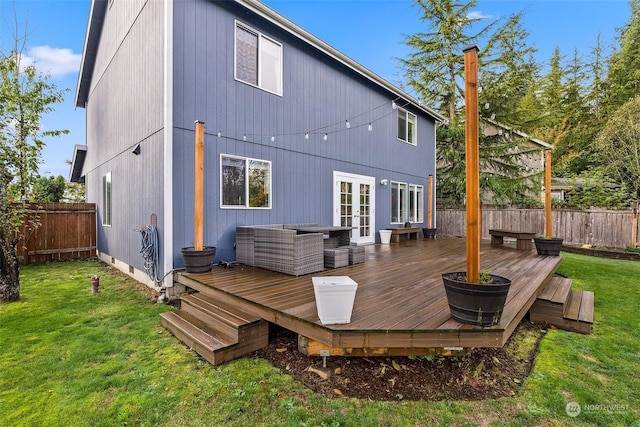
[260,38]
[406,130]
[399,205]
[418,215]
[107,203]
[246,189]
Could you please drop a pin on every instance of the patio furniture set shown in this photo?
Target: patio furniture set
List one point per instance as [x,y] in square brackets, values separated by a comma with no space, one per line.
[296,249]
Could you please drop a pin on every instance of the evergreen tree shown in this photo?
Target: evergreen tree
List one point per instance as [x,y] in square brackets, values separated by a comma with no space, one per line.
[623,79]
[435,70]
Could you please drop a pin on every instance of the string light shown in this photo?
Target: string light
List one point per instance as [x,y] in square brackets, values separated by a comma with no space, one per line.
[324,131]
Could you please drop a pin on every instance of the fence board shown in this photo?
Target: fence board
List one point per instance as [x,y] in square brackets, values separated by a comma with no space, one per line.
[57,231]
[577,227]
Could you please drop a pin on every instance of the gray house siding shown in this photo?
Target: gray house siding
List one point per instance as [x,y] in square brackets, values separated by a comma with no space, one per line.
[125,108]
[317,91]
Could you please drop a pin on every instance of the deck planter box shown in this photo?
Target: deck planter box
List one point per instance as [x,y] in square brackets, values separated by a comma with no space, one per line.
[551,246]
[334,298]
[385,236]
[198,261]
[474,303]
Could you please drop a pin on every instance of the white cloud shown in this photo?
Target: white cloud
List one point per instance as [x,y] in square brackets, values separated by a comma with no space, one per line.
[477,15]
[53,61]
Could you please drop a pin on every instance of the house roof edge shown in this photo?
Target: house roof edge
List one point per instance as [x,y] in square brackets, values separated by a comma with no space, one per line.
[294,29]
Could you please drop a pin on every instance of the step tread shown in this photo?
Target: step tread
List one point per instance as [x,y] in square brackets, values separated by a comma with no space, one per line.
[563,292]
[572,308]
[551,288]
[185,323]
[233,315]
[587,307]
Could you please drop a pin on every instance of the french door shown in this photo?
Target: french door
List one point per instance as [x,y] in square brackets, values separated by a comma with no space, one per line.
[354,205]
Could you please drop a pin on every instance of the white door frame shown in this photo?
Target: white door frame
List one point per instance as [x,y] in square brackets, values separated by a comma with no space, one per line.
[361,235]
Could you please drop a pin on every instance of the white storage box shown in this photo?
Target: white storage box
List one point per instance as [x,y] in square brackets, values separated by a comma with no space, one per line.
[334,297]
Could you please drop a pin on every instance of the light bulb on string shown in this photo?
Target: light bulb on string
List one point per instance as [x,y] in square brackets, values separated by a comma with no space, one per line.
[273,138]
[393,105]
[325,137]
[347,124]
[370,127]
[306,135]
[219,134]
[244,137]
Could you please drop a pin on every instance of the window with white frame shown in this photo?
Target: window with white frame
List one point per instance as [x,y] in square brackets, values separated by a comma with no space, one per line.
[416,203]
[245,182]
[407,201]
[407,126]
[258,60]
[106,199]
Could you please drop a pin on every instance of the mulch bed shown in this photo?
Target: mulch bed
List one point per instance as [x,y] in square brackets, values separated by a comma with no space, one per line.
[485,373]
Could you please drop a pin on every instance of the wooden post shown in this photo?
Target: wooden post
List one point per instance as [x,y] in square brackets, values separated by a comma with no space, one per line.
[472,159]
[634,225]
[430,203]
[547,194]
[198,216]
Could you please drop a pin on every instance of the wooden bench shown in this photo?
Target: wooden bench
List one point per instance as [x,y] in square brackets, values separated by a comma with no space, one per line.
[523,238]
[412,232]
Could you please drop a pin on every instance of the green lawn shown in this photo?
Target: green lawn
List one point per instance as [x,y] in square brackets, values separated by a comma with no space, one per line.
[73,358]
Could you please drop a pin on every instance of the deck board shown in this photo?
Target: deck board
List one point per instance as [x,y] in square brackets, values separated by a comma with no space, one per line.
[400,301]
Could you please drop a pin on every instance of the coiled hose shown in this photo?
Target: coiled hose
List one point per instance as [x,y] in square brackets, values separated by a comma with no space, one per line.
[149,251]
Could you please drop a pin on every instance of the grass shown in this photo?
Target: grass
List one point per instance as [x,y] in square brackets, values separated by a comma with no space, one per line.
[73,358]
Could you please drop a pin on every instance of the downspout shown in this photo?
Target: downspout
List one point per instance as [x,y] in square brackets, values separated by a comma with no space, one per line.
[167,263]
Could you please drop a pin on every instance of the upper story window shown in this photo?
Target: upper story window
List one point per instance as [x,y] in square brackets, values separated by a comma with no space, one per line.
[258,60]
[246,183]
[407,126]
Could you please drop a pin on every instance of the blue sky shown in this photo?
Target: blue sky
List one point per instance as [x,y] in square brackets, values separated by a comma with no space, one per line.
[369,31]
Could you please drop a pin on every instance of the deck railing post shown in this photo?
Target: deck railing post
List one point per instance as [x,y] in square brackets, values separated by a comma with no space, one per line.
[198,217]
[547,194]
[472,160]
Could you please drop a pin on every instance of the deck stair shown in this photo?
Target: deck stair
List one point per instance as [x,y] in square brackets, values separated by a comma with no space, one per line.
[216,331]
[563,307]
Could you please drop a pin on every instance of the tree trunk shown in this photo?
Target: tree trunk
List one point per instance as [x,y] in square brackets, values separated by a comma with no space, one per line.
[9,271]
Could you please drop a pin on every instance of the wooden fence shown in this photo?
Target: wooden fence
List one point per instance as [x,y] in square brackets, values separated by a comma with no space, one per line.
[57,231]
[612,229]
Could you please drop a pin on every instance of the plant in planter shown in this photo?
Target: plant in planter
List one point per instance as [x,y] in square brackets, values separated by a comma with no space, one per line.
[479,304]
[548,245]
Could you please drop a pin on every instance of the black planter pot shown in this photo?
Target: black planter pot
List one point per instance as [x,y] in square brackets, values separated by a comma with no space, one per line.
[473,303]
[429,233]
[198,261]
[549,247]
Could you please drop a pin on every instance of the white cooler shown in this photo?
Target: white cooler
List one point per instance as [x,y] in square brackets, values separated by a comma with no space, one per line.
[334,297]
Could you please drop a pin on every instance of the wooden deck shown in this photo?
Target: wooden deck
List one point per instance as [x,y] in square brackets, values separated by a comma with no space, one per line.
[400,303]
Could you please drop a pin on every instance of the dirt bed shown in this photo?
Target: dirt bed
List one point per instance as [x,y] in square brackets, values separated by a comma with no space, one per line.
[483,374]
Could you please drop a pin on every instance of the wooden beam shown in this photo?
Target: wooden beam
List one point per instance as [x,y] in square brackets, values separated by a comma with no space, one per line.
[315,348]
[430,203]
[198,216]
[547,194]
[472,159]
